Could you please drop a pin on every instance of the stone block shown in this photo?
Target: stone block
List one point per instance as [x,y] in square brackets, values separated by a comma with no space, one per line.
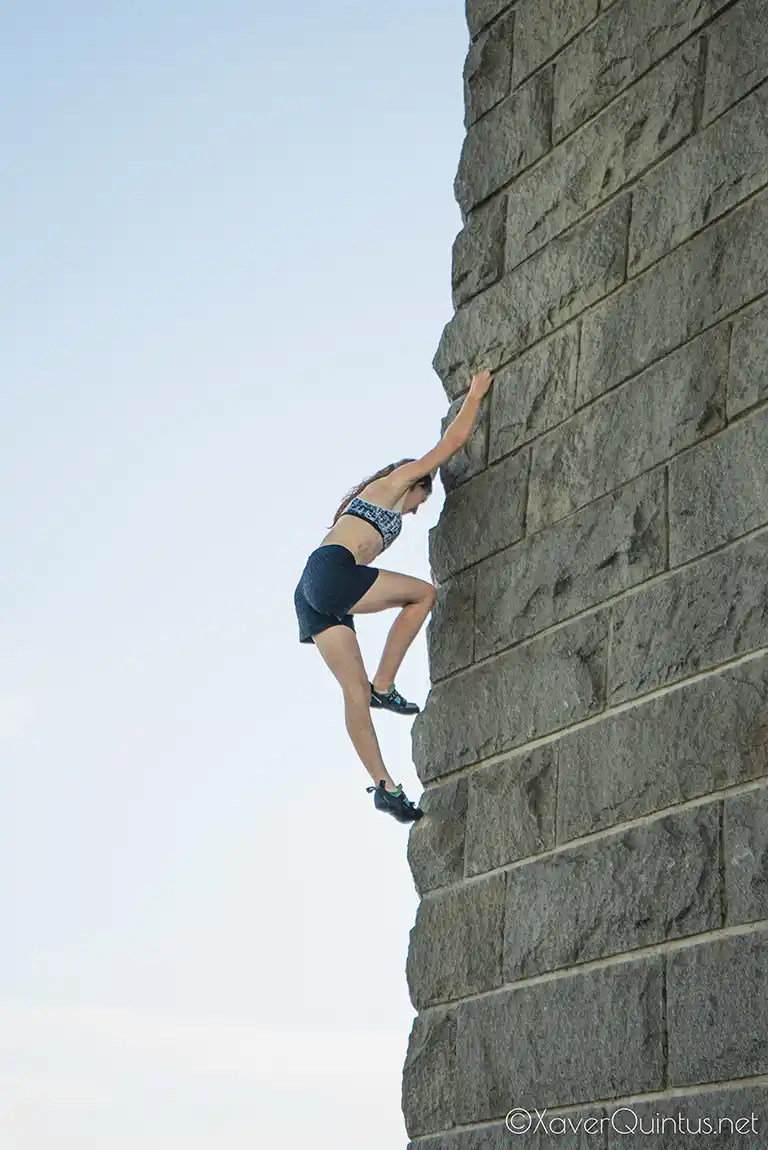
[702,615]
[456,942]
[543,27]
[478,250]
[717,1010]
[721,1116]
[707,177]
[535,392]
[649,884]
[575,270]
[558,1042]
[429,1073]
[450,633]
[480,517]
[745,829]
[737,56]
[496,706]
[436,843]
[669,407]
[644,124]
[488,69]
[748,377]
[692,741]
[511,810]
[487,1138]
[472,458]
[480,13]
[623,44]
[719,490]
[613,544]
[714,274]
[582,1129]
[504,142]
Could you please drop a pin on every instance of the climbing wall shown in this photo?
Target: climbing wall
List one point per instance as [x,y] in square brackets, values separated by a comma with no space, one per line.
[592,937]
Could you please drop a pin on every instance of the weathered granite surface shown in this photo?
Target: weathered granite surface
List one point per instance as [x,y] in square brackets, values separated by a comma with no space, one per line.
[718,1010]
[593,864]
[695,740]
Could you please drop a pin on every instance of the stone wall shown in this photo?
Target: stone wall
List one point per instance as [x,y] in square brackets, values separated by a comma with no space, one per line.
[593,926]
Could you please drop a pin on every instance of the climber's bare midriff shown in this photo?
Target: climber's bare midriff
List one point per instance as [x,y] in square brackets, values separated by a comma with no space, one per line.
[359,537]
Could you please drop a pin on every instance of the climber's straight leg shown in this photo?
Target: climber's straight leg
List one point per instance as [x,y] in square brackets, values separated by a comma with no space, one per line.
[341,651]
[416,598]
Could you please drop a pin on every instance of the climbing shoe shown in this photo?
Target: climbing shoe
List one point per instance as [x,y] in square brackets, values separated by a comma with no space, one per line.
[392,700]
[395,803]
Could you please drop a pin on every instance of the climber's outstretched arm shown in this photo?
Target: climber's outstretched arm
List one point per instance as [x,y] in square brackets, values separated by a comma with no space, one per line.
[455,436]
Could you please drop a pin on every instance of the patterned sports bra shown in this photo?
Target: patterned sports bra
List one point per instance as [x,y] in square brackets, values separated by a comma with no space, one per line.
[388,523]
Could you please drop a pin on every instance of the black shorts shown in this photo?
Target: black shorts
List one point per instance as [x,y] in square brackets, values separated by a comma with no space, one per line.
[331,582]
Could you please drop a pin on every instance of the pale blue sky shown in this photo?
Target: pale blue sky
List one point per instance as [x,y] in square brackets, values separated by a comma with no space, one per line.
[225,269]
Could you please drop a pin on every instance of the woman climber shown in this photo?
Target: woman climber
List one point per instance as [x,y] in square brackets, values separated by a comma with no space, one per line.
[338,583]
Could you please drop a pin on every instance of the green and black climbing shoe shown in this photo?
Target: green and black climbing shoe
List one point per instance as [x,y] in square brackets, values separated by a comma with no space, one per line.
[392,700]
[395,803]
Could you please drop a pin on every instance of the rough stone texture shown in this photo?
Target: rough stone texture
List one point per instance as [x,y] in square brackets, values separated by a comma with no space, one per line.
[572,272]
[701,181]
[480,13]
[672,405]
[722,1117]
[504,142]
[714,274]
[598,653]
[633,889]
[745,829]
[737,57]
[643,125]
[543,27]
[693,741]
[436,843]
[480,517]
[748,379]
[617,50]
[488,70]
[429,1085]
[717,1010]
[535,392]
[699,617]
[450,632]
[582,1129]
[511,810]
[456,942]
[478,250]
[719,490]
[559,1043]
[472,458]
[498,705]
[611,545]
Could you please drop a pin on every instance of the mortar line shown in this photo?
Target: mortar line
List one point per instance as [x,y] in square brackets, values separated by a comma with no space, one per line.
[625,958]
[637,275]
[596,608]
[525,749]
[616,830]
[594,400]
[722,863]
[714,1086]
[510,7]
[679,47]
[667,529]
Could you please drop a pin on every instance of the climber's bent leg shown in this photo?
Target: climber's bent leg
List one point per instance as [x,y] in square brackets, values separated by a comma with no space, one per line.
[341,651]
[416,598]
